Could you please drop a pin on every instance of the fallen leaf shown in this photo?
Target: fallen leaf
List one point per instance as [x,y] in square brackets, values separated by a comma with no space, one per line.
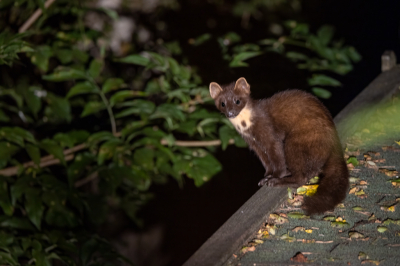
[308,190]
[299,257]
[339,224]
[356,235]
[362,256]
[389,209]
[353,190]
[353,179]
[298,228]
[367,157]
[309,231]
[271,229]
[370,261]
[288,238]
[388,172]
[276,219]
[329,218]
[297,215]
[360,193]
[381,229]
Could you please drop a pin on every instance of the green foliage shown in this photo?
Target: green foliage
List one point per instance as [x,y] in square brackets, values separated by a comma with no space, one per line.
[48,210]
[313,52]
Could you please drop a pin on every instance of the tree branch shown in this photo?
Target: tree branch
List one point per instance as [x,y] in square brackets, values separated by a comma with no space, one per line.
[68,153]
[34,17]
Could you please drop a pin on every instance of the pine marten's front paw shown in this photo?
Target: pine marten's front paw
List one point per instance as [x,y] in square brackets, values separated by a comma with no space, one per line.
[264,180]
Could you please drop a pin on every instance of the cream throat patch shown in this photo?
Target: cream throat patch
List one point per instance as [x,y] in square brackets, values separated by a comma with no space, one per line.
[242,122]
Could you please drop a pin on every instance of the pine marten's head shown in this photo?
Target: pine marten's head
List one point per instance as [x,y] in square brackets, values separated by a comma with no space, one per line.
[231,99]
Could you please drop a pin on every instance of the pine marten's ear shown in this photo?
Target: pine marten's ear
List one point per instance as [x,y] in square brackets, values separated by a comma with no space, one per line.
[215,89]
[242,85]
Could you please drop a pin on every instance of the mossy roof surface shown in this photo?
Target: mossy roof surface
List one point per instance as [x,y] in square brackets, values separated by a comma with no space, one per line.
[365,229]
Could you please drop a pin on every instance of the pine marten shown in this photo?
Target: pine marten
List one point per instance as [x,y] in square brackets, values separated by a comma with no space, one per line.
[293,135]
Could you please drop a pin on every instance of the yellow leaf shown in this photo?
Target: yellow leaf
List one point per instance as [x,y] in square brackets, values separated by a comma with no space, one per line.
[308,231]
[308,190]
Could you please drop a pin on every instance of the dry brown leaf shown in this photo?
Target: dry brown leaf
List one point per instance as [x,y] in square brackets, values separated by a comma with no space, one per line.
[299,257]
[298,228]
[251,248]
[353,190]
[367,157]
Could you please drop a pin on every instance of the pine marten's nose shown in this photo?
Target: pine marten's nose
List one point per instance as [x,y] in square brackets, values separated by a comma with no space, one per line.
[231,115]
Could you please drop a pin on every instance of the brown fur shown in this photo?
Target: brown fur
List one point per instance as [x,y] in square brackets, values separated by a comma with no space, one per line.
[293,135]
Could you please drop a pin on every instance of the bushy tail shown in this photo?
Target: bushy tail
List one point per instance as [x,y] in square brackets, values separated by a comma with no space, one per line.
[332,187]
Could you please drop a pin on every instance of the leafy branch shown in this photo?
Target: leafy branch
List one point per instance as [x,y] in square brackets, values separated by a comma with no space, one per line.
[69,155]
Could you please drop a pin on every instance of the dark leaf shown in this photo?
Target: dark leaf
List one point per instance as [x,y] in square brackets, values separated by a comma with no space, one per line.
[33,102]
[7,150]
[13,94]
[41,57]
[79,167]
[34,207]
[100,136]
[25,134]
[238,59]
[9,134]
[96,67]
[122,96]
[295,56]
[92,107]
[188,127]
[53,148]
[200,39]
[107,150]
[203,168]
[112,84]
[135,59]
[3,116]
[17,223]
[321,93]
[64,74]
[5,201]
[64,55]
[33,152]
[58,107]
[82,88]
[144,158]
[111,178]
[225,134]
[325,34]
[318,79]
[8,258]
[64,140]
[138,107]
[353,54]
[168,110]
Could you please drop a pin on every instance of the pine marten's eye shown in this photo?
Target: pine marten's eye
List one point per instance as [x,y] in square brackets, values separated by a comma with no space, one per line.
[223,104]
[237,101]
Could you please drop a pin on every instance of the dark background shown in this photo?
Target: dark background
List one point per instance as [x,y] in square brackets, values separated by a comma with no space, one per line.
[191,215]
